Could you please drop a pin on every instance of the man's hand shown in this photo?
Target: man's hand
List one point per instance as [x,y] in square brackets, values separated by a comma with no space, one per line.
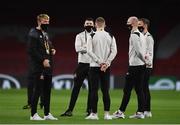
[53,51]
[46,63]
[83,51]
[148,65]
[42,77]
[103,66]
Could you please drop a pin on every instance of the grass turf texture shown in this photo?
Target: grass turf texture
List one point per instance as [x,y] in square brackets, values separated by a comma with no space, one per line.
[165,108]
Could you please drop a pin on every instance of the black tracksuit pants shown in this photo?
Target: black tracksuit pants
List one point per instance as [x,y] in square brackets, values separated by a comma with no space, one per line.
[81,72]
[41,86]
[147,96]
[30,90]
[134,78]
[96,76]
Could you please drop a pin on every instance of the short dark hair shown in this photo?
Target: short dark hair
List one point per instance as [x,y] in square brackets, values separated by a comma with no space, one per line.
[89,19]
[145,21]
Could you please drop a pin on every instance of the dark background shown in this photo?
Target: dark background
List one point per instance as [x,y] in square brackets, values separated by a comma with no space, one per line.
[66,20]
[23,12]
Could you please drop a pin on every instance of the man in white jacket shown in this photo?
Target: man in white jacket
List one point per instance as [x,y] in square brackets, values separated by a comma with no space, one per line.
[82,69]
[101,47]
[135,74]
[143,25]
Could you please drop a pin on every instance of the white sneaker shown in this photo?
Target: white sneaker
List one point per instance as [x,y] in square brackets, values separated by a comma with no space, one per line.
[118,114]
[138,115]
[107,117]
[147,114]
[50,117]
[36,117]
[92,116]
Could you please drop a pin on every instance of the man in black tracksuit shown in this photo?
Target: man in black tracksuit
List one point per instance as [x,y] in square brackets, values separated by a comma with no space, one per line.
[40,53]
[30,91]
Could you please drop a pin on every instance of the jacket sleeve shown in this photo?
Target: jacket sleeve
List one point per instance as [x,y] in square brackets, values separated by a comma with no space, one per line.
[137,44]
[113,52]
[150,48]
[90,51]
[79,45]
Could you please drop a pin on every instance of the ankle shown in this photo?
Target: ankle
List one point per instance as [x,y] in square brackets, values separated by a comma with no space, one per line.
[106,112]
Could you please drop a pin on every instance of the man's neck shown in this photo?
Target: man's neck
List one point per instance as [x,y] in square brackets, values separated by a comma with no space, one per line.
[88,32]
[100,29]
[134,28]
[145,31]
[39,28]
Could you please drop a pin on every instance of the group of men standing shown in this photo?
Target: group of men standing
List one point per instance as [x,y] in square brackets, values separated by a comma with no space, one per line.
[96,50]
[100,49]
[140,65]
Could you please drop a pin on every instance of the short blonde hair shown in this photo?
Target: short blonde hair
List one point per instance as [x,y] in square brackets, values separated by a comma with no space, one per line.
[100,21]
[42,16]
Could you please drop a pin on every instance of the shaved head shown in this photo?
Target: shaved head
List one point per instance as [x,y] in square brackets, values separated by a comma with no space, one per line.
[132,23]
[132,20]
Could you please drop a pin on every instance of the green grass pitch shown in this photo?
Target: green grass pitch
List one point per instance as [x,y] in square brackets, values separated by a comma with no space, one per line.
[165,108]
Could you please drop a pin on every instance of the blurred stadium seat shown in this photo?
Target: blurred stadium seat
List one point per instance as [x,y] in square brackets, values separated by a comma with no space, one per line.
[14,60]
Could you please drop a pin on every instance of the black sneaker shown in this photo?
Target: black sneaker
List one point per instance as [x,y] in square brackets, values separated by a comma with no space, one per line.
[67,113]
[27,106]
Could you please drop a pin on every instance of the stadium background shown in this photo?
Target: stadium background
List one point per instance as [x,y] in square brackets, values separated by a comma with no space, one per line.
[67,20]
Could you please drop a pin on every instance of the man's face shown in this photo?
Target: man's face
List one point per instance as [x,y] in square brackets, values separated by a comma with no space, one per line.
[89,23]
[129,24]
[44,21]
[141,26]
[140,23]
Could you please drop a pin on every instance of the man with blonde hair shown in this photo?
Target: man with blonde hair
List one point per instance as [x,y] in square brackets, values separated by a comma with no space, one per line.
[30,87]
[40,51]
[101,47]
